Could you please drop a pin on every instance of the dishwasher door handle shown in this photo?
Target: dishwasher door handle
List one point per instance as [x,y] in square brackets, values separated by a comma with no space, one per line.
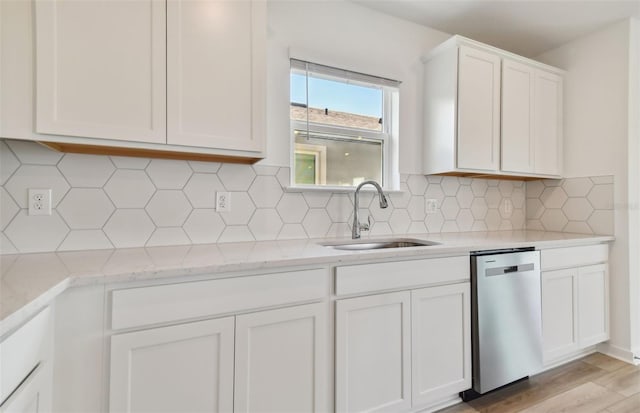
[509,269]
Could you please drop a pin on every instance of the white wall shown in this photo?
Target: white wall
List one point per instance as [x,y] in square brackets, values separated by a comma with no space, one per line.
[346,35]
[597,137]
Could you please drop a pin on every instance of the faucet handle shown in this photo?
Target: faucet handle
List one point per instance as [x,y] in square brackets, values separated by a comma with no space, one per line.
[367,226]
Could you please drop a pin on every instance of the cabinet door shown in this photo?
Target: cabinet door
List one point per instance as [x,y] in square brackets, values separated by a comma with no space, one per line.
[281,360]
[373,370]
[559,313]
[33,395]
[216,70]
[101,69]
[593,304]
[517,146]
[182,368]
[548,123]
[478,110]
[440,342]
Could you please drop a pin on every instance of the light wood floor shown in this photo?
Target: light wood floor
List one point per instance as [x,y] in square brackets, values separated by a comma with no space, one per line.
[595,383]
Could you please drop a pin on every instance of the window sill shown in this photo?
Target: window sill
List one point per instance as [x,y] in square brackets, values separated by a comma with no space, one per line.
[340,189]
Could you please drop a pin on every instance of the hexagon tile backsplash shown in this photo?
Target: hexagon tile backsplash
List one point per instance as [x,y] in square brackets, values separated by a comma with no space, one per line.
[106,202]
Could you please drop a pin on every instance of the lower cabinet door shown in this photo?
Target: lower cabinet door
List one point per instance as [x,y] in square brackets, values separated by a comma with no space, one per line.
[181,368]
[281,360]
[559,313]
[33,395]
[440,342]
[373,356]
[593,304]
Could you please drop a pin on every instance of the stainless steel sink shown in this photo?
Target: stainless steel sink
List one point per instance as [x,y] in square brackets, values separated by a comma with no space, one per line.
[374,244]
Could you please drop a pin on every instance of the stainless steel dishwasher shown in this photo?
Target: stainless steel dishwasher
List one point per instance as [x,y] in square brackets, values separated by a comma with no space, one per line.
[506,318]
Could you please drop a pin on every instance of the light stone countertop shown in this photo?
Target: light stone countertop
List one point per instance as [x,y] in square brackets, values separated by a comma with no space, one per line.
[31,281]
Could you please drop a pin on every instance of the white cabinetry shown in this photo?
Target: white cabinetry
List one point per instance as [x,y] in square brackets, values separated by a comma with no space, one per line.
[488,111]
[575,300]
[33,395]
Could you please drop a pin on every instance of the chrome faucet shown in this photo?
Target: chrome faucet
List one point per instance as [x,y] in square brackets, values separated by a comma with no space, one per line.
[357,226]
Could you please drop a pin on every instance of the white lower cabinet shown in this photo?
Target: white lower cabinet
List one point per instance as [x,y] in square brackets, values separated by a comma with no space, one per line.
[404,350]
[33,395]
[575,310]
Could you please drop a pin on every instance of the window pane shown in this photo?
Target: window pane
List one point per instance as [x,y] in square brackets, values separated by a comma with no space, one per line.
[336,160]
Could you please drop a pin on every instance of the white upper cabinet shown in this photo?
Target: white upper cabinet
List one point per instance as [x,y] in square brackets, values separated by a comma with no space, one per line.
[215,73]
[478,110]
[101,69]
[490,112]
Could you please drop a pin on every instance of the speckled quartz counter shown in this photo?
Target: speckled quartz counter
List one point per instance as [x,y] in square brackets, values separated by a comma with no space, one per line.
[31,281]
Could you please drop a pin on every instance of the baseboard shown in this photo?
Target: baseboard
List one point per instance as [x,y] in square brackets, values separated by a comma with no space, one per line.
[439,405]
[620,353]
[568,358]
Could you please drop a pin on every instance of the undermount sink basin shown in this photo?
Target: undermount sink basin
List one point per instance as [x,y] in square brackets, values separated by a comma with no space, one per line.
[369,244]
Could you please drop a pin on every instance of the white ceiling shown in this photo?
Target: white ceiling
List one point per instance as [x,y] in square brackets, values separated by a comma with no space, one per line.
[525,27]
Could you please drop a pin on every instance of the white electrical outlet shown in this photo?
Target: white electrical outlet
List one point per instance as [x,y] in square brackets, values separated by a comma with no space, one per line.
[431,206]
[507,206]
[39,201]
[223,201]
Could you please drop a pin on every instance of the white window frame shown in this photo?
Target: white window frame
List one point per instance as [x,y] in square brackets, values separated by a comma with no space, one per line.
[389,132]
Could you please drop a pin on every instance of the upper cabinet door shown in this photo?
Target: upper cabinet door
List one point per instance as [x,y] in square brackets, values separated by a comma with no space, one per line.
[101,69]
[548,123]
[517,117]
[216,67]
[478,110]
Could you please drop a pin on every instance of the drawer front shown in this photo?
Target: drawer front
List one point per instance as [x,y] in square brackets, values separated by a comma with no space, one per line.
[357,279]
[141,306]
[573,256]
[22,351]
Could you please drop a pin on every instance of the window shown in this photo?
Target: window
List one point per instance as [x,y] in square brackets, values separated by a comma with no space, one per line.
[343,126]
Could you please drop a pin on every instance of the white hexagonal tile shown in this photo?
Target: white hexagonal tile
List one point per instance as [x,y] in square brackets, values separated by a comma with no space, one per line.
[36,176]
[534,208]
[201,190]
[316,223]
[85,239]
[85,208]
[553,220]
[602,222]
[130,162]
[493,220]
[380,214]
[284,177]
[36,233]
[493,182]
[86,171]
[505,225]
[8,208]
[600,180]
[168,208]
[577,209]
[417,227]
[6,246]
[236,177]
[518,219]
[32,153]
[169,174]
[265,224]
[339,207]
[339,230]
[553,197]
[416,208]
[401,199]
[292,208]
[479,208]
[129,188]
[552,182]
[242,208]
[434,222]
[534,189]
[293,231]
[236,233]
[578,227]
[417,184]
[378,229]
[450,208]
[399,221]
[504,212]
[450,226]
[317,199]
[205,167]
[479,226]
[129,228]
[506,187]
[8,162]
[575,187]
[464,196]
[465,220]
[479,187]
[435,179]
[266,170]
[404,177]
[434,191]
[450,185]
[601,196]
[265,191]
[493,197]
[534,225]
[518,197]
[204,226]
[168,236]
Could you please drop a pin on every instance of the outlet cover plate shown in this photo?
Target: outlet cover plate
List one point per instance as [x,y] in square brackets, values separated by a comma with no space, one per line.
[39,201]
